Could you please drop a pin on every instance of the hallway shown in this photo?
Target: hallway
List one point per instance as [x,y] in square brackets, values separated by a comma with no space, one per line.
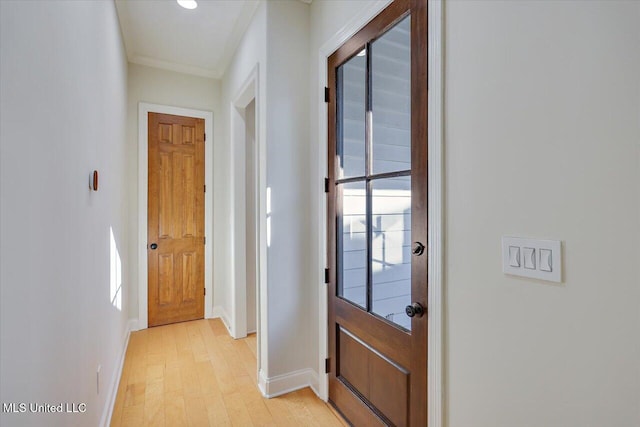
[195,374]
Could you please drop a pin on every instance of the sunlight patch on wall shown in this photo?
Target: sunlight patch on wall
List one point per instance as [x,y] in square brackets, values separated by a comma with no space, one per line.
[268,217]
[115,292]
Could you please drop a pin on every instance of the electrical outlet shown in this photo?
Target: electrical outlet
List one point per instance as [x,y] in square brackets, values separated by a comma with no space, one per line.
[98,379]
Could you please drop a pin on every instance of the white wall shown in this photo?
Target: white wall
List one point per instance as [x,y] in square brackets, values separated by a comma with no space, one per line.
[289,282]
[156,86]
[542,139]
[329,17]
[63,82]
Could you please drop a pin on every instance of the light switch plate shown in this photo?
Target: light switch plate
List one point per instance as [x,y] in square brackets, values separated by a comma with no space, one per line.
[538,259]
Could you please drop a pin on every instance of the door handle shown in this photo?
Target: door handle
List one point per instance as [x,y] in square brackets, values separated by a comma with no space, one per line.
[418,248]
[414,309]
[153,246]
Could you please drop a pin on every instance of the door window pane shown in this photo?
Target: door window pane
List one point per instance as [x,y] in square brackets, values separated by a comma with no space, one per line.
[391,99]
[352,243]
[351,117]
[391,249]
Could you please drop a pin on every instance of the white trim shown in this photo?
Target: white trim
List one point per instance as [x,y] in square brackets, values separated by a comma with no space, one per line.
[286,383]
[143,110]
[436,199]
[107,413]
[175,67]
[248,91]
[342,35]
[435,386]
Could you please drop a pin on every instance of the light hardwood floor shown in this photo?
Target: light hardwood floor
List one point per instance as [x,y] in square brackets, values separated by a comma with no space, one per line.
[195,374]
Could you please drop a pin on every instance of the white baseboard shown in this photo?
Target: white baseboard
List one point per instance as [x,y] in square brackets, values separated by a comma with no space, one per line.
[286,383]
[262,383]
[105,420]
[314,382]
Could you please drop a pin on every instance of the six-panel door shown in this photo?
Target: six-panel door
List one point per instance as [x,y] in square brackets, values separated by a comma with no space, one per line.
[175,219]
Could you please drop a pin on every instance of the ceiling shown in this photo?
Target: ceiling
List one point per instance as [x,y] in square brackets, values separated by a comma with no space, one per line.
[161,34]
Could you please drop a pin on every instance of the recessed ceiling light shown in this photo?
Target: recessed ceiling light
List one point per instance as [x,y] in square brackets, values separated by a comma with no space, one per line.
[188,4]
[363,52]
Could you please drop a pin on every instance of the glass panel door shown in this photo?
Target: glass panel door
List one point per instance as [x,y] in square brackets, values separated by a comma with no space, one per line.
[373,150]
[377,278]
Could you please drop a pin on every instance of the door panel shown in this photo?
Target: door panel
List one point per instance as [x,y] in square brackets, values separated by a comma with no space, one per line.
[377,212]
[175,219]
[380,380]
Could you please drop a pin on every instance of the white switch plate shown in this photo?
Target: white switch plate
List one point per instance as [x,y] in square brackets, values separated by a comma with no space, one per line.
[546,261]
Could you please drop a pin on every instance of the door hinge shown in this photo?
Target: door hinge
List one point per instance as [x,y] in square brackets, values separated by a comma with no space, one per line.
[327,365]
[205,137]
[205,188]
[326,185]
[205,291]
[326,275]
[204,240]
[326,94]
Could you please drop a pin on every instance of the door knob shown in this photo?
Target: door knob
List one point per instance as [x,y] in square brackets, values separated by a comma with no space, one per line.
[414,309]
[153,246]
[418,248]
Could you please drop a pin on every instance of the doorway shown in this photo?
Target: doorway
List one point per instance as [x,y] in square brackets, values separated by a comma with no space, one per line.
[143,185]
[248,216]
[248,246]
[377,220]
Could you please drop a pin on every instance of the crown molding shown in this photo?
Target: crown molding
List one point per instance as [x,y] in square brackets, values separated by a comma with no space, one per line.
[173,66]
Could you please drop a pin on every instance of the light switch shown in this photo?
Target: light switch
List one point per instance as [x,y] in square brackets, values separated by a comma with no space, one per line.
[514,256]
[546,260]
[529,255]
[534,258]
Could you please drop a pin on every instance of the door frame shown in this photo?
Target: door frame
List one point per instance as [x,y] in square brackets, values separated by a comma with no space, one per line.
[143,192]
[435,376]
[249,90]
[238,326]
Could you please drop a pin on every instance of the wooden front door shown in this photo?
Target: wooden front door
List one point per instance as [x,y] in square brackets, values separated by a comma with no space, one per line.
[378,220]
[175,232]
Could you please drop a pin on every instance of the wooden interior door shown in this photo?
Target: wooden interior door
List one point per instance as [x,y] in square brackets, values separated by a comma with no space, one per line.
[377,220]
[175,219]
